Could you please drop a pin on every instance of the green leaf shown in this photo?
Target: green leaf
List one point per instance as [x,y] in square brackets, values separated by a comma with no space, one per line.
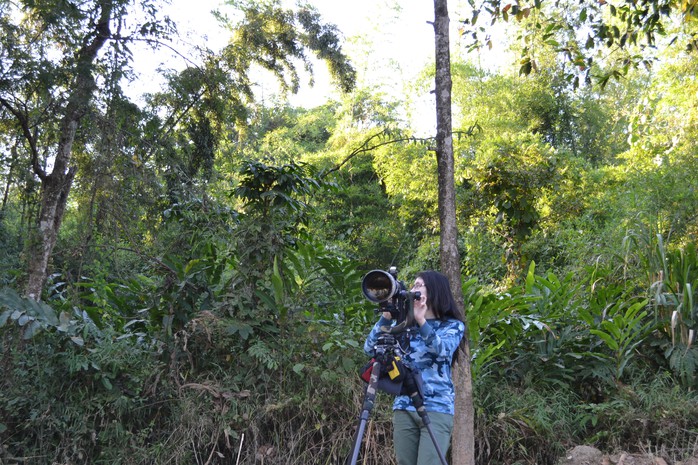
[266,298]
[64,322]
[4,316]
[24,319]
[107,383]
[42,311]
[531,277]
[278,284]
[348,364]
[298,368]
[31,329]
[526,68]
[243,329]
[610,342]
[10,298]
[190,265]
[613,327]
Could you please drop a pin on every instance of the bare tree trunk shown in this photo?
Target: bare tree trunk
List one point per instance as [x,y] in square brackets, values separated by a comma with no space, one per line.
[54,196]
[463,443]
[55,186]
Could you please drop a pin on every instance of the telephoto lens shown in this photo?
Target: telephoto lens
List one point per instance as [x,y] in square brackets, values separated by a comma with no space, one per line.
[379,286]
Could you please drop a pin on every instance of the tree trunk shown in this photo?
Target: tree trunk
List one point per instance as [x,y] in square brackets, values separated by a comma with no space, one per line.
[54,196]
[55,186]
[462,444]
[10,174]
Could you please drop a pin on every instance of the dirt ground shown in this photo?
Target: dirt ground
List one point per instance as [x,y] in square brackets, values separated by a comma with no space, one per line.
[586,455]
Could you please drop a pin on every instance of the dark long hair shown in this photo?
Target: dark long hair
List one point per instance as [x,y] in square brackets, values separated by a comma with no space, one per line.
[441,301]
[439,296]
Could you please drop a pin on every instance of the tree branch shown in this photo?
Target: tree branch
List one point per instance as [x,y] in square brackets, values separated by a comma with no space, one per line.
[31,140]
[366,146]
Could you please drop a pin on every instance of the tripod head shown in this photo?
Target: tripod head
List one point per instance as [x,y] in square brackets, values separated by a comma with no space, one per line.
[390,344]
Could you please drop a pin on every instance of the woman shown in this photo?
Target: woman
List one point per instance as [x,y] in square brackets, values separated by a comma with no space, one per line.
[432,350]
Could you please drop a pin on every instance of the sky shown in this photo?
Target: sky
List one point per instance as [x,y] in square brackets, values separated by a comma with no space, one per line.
[389,42]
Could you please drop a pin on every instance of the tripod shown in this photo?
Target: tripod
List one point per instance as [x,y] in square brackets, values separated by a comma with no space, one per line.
[411,385]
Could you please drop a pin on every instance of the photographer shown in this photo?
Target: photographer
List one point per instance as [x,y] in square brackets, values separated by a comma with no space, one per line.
[431,351]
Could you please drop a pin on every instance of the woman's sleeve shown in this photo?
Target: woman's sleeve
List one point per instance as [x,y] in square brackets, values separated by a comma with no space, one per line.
[443,342]
[372,338]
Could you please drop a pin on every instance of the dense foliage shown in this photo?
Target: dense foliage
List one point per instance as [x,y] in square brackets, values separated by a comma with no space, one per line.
[204,301]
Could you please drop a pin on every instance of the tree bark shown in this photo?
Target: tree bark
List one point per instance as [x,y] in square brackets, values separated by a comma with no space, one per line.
[55,186]
[463,442]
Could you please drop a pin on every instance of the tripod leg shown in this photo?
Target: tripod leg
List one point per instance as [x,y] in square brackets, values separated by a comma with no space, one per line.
[369,399]
[414,389]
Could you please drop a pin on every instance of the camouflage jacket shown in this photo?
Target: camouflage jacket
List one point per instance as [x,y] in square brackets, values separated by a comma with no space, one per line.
[431,352]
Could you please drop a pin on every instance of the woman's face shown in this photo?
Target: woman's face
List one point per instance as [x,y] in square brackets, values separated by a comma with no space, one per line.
[419,286]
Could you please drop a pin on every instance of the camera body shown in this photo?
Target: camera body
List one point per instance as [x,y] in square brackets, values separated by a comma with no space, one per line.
[391,295]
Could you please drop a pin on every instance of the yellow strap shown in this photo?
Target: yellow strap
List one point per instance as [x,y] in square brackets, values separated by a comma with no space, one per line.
[395,371]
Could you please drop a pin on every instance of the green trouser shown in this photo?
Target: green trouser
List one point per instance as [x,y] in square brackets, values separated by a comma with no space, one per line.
[413,444]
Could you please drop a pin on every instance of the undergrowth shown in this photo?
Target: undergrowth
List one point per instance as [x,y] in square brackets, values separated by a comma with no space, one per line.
[536,425]
[120,401]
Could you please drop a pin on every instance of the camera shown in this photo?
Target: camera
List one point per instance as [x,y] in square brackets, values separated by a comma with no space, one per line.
[391,295]
[391,369]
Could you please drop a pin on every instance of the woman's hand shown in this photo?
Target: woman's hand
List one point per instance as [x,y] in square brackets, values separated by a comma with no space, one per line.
[420,310]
